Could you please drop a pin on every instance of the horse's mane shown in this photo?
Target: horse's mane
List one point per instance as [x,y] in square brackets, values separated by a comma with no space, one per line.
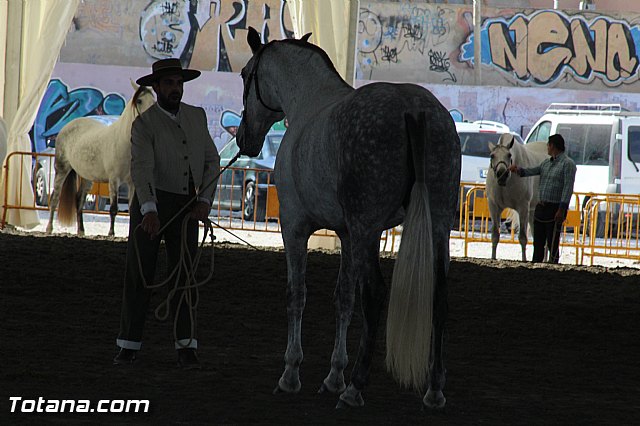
[308,46]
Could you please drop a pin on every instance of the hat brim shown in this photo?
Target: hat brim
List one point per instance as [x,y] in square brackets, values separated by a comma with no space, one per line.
[187,75]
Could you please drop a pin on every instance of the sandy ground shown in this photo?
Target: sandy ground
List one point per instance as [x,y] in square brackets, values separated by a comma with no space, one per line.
[526,344]
[98,225]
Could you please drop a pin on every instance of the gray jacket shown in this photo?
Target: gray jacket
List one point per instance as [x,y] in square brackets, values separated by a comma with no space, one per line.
[163,151]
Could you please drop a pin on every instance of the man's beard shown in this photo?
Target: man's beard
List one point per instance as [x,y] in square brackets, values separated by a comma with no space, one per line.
[171,102]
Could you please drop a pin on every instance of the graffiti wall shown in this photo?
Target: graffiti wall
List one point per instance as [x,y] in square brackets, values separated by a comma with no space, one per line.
[93,89]
[209,35]
[529,58]
[434,43]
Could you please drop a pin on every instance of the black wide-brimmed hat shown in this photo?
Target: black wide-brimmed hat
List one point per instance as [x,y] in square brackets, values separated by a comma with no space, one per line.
[167,67]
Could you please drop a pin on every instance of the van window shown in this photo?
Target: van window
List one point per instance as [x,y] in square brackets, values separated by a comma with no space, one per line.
[634,143]
[541,133]
[477,144]
[587,144]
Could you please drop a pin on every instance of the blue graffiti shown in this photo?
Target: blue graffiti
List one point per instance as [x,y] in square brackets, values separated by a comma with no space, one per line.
[59,106]
[584,75]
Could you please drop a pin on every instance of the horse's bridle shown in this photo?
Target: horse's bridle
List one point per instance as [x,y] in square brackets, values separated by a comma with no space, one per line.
[495,168]
[253,76]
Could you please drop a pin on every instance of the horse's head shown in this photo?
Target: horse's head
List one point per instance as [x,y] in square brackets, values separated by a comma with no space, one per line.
[142,99]
[501,158]
[261,105]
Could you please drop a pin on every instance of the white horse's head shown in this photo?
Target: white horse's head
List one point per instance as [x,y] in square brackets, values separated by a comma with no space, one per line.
[501,158]
[142,99]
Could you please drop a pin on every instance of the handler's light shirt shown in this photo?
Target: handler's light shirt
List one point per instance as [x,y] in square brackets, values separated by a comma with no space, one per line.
[557,176]
[167,149]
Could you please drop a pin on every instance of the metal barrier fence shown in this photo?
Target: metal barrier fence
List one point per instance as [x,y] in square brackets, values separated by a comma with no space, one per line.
[598,225]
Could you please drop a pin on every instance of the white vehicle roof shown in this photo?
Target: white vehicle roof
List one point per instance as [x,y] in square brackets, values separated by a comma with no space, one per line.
[474,138]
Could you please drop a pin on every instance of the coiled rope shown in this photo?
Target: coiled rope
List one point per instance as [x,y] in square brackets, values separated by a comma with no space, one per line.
[186,267]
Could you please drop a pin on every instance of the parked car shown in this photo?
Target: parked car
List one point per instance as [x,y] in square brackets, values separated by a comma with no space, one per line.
[474,144]
[44,174]
[244,186]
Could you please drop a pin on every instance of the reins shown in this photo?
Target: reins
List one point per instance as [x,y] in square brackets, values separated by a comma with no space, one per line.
[253,75]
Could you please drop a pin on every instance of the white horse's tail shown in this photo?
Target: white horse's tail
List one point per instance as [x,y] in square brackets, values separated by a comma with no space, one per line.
[409,319]
[67,209]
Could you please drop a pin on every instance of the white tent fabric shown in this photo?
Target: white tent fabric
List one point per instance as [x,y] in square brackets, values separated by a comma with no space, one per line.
[44,27]
[332,23]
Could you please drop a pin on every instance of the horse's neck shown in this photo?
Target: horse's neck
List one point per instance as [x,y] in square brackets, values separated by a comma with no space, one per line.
[122,126]
[304,82]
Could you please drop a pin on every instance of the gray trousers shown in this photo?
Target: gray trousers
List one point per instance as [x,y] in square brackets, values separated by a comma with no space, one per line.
[135,300]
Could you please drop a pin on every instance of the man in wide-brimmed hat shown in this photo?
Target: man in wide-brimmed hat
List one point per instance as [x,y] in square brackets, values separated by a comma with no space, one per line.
[174,162]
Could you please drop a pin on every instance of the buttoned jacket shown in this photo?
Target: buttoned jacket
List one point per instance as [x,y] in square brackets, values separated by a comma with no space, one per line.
[164,150]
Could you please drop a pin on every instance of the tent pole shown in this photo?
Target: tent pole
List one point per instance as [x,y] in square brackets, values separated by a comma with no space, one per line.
[354,15]
[13,61]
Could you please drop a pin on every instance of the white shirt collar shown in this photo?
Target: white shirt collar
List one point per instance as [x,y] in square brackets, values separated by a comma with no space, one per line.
[174,117]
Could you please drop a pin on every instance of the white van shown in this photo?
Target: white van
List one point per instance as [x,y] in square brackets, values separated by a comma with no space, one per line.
[474,144]
[602,139]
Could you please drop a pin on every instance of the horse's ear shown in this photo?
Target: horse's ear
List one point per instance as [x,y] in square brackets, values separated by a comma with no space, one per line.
[491,146]
[305,37]
[512,141]
[135,86]
[253,38]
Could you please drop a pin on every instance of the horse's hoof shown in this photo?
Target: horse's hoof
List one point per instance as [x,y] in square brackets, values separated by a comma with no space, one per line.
[331,389]
[350,399]
[284,387]
[358,402]
[434,400]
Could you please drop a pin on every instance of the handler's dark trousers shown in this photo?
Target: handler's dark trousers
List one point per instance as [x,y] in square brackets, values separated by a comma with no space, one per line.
[546,231]
[136,297]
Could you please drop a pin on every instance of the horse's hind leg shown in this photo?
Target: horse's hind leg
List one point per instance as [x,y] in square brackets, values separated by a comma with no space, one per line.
[295,243]
[85,186]
[62,172]
[365,271]
[344,297]
[434,398]
[113,209]
[496,212]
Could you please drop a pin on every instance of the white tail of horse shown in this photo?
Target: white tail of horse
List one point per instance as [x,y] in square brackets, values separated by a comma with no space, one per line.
[67,209]
[410,315]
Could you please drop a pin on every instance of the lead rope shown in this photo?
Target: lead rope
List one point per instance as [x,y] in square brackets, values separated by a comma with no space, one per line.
[187,265]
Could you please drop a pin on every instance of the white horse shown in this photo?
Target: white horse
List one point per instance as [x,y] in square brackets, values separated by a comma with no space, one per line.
[508,190]
[94,151]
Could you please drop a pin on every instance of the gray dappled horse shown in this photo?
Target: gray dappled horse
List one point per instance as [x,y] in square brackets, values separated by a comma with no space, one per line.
[95,151]
[359,162]
[508,190]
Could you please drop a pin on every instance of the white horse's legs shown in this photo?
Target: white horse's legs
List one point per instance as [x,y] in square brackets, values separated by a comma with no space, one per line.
[85,186]
[495,228]
[344,297]
[61,175]
[295,242]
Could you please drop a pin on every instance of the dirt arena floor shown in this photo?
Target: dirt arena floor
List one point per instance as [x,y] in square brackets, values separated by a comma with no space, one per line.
[526,345]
